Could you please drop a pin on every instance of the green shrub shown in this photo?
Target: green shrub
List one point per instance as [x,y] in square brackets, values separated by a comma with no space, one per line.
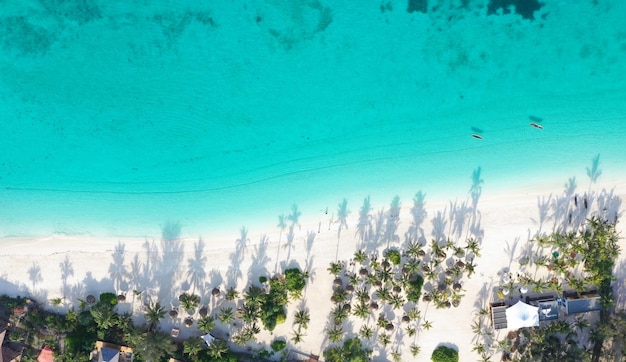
[262,279]
[281,316]
[278,345]
[295,281]
[414,289]
[445,354]
[352,350]
[108,299]
[393,255]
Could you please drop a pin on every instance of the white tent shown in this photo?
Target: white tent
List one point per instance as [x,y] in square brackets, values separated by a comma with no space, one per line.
[522,315]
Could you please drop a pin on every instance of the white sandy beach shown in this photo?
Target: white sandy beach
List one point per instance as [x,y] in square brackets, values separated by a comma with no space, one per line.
[33,266]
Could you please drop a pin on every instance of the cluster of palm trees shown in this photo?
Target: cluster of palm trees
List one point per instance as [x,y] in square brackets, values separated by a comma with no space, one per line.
[444,268]
[576,260]
[301,319]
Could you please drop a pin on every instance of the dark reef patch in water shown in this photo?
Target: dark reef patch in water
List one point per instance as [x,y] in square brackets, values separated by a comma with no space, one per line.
[417,6]
[525,8]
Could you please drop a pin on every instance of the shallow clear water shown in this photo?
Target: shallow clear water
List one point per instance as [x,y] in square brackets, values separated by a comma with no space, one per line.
[118,118]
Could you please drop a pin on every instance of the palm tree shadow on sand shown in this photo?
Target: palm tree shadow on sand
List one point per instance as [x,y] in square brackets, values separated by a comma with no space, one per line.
[196,272]
[117,268]
[342,219]
[167,270]
[364,229]
[391,222]
[418,216]
[258,267]
[67,270]
[34,275]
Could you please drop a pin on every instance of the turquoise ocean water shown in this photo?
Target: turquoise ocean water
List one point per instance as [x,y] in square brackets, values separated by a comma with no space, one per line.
[117,117]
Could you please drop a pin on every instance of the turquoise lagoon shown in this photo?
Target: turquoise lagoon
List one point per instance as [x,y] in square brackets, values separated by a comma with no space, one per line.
[118,117]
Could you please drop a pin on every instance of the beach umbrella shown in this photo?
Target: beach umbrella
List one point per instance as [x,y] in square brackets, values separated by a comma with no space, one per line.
[188,322]
[523,289]
[173,313]
[505,291]
[121,298]
[91,299]
[506,279]
[522,315]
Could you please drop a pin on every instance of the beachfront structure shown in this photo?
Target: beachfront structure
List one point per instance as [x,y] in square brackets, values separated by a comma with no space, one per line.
[575,303]
[46,355]
[109,352]
[7,354]
[543,307]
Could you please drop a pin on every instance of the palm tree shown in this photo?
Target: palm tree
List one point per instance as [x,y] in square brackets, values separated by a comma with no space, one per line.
[226,315]
[362,295]
[339,314]
[427,325]
[384,339]
[152,346]
[189,302]
[396,355]
[334,334]
[218,348]
[206,324]
[154,313]
[302,318]
[581,323]
[254,295]
[396,301]
[366,332]
[361,310]
[297,335]
[339,296]
[385,273]
[384,293]
[192,347]
[360,256]
[250,312]
[414,314]
[415,349]
[411,331]
[473,246]
[231,294]
[412,266]
[335,268]
[104,316]
[470,267]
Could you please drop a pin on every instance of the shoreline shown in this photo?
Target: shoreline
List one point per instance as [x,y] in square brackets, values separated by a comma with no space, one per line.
[30,266]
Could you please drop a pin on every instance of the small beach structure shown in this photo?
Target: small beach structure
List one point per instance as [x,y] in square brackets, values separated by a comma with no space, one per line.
[522,315]
[208,339]
[498,315]
[575,303]
[109,352]
[46,355]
